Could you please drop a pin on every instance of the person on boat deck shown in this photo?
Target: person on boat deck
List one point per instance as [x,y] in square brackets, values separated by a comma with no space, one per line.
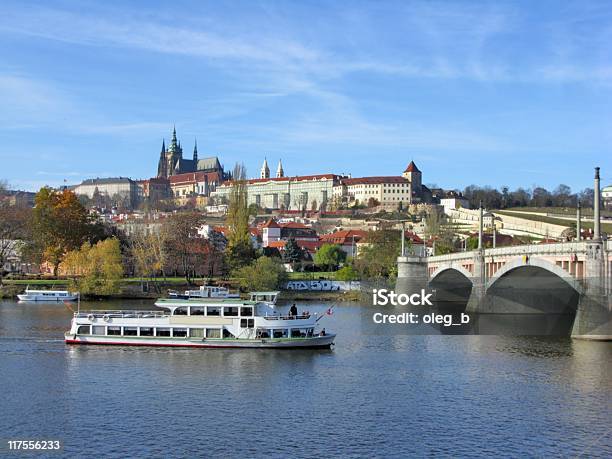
[322,332]
[293,310]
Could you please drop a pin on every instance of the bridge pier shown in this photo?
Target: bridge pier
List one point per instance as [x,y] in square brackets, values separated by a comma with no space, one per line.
[411,274]
[594,314]
[479,284]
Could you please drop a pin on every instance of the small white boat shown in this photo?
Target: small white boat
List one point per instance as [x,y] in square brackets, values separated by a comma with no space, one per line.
[47,295]
[203,323]
[205,291]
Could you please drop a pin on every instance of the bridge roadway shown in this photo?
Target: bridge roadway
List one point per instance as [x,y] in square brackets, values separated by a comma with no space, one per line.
[559,278]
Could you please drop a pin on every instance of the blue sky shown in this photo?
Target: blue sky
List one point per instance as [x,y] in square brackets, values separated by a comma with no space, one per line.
[498,93]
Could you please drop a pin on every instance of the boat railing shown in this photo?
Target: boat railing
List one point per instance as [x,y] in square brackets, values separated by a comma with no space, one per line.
[287,317]
[115,314]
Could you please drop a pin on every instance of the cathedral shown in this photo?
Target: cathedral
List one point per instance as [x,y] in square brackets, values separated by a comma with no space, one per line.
[171,161]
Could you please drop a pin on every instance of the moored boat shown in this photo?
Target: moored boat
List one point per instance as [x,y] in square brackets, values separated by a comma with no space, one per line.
[205,291]
[204,323]
[47,295]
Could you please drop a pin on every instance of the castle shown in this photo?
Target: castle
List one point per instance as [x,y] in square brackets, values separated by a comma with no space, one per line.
[171,161]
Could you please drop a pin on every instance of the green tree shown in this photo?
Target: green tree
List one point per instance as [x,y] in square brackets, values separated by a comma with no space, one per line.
[60,224]
[378,256]
[261,275]
[293,253]
[97,269]
[347,273]
[329,256]
[239,251]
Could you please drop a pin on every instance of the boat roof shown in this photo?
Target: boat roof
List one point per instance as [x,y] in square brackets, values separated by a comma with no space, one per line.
[205,301]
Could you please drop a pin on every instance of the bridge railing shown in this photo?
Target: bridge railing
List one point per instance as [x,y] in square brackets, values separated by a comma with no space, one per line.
[517,250]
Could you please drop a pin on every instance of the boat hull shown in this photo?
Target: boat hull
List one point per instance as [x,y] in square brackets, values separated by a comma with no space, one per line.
[46,299]
[317,342]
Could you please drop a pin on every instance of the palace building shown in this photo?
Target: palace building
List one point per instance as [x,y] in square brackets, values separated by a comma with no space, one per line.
[171,161]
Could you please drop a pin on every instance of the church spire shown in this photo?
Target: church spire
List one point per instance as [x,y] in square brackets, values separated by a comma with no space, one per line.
[265,170]
[195,152]
[279,170]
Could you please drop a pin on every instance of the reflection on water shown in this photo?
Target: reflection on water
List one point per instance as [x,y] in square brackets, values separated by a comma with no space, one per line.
[371,395]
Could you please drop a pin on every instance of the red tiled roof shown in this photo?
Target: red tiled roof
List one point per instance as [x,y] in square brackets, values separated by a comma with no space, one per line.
[412,167]
[374,180]
[295,225]
[190,177]
[270,224]
[343,237]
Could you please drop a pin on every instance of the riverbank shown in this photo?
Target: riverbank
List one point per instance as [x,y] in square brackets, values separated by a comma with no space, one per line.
[134,289]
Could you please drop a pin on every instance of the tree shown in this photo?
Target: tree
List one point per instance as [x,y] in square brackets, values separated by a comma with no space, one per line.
[373,202]
[293,253]
[13,229]
[378,257]
[261,275]
[239,251]
[347,273]
[60,224]
[185,250]
[98,269]
[147,252]
[329,256]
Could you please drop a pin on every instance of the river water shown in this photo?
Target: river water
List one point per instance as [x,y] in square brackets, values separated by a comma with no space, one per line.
[392,396]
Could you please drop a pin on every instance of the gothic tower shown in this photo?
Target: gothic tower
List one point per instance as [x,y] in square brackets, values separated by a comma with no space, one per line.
[279,170]
[195,153]
[265,170]
[162,166]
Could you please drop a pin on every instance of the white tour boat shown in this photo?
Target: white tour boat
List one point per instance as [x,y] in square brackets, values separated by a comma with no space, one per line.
[47,295]
[205,291]
[206,323]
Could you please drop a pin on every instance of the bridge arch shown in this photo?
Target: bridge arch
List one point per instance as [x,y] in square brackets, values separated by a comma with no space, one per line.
[539,263]
[445,269]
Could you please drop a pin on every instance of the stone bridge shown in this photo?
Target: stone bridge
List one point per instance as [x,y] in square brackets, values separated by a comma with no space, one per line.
[562,278]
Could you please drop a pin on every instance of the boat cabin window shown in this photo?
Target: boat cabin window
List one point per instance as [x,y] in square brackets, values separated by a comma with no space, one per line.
[280,333]
[213,311]
[98,330]
[263,333]
[197,310]
[227,333]
[196,332]
[146,331]
[83,330]
[182,311]
[179,332]
[114,331]
[247,323]
[230,311]
[246,311]
[162,332]
[213,333]
[130,331]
